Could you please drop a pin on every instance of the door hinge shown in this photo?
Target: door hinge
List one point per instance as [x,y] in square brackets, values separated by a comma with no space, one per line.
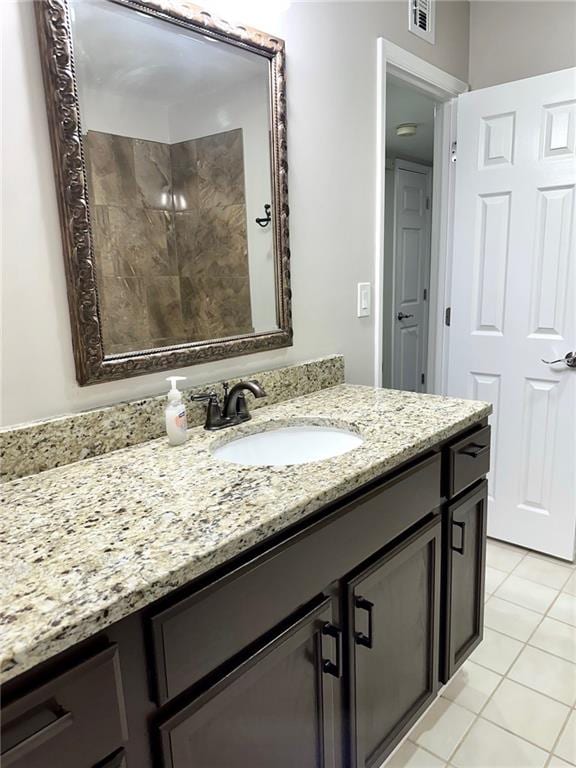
[453,152]
[448,316]
[425,294]
[423,379]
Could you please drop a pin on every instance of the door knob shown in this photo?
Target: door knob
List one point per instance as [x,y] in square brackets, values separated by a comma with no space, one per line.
[569,358]
[403,316]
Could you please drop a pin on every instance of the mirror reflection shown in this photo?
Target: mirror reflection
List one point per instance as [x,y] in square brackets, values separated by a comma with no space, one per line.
[176,141]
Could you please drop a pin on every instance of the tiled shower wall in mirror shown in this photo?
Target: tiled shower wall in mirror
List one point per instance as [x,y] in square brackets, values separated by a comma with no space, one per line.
[170,242]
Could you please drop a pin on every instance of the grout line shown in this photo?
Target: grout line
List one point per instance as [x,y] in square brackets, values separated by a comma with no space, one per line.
[560,733]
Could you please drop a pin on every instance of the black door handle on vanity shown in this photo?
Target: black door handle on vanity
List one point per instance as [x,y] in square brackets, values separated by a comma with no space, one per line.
[333,668]
[40,725]
[474,450]
[115,760]
[462,526]
[360,637]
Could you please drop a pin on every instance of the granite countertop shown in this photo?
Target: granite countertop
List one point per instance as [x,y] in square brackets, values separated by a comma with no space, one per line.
[87,544]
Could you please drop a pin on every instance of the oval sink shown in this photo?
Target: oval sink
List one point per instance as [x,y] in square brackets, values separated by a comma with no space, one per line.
[288,445]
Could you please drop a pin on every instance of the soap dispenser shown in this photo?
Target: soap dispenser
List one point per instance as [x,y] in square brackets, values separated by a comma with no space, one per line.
[176,424]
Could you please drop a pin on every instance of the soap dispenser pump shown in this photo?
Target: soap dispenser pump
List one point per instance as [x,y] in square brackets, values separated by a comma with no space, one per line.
[176,424]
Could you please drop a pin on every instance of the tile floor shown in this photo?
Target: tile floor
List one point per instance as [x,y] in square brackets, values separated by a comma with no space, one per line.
[512,704]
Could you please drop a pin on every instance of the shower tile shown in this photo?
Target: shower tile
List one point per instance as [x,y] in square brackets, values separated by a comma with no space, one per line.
[153,174]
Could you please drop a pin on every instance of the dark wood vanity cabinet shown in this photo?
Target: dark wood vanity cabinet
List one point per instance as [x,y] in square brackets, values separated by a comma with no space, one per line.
[464,566]
[393,634]
[318,649]
[277,708]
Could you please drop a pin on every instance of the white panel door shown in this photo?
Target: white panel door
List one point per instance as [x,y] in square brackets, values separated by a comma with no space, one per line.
[514,298]
[411,275]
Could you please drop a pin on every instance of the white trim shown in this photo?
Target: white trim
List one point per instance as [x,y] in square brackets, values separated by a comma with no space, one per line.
[418,71]
[441,254]
[395,60]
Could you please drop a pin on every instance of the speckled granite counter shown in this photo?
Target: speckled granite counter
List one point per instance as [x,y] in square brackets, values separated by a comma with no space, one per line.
[87,544]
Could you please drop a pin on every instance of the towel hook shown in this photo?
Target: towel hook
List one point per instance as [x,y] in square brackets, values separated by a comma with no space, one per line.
[264,221]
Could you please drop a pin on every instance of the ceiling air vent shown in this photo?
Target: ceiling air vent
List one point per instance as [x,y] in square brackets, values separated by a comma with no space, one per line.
[421,18]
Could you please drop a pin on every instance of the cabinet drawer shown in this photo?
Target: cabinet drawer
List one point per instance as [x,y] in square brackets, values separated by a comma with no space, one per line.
[469,460]
[73,721]
[196,635]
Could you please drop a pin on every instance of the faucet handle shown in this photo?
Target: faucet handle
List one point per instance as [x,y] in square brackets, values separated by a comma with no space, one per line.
[209,396]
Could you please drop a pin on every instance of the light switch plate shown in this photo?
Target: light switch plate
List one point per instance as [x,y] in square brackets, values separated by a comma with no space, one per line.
[364,299]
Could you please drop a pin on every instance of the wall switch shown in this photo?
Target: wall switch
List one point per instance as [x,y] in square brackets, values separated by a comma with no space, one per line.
[363,299]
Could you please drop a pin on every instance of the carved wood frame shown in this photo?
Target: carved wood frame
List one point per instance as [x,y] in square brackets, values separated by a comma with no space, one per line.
[57,59]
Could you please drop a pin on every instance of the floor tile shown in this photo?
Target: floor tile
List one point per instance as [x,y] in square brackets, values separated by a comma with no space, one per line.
[496,651]
[566,747]
[564,609]
[442,727]
[555,762]
[488,746]
[472,686]
[570,585]
[510,619]
[556,637]
[410,755]
[526,593]
[543,571]
[526,713]
[545,673]
[502,556]
[494,578]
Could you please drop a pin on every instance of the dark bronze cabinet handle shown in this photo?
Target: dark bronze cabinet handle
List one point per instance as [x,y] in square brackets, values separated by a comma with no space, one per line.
[40,731]
[331,667]
[462,526]
[361,639]
[115,760]
[474,450]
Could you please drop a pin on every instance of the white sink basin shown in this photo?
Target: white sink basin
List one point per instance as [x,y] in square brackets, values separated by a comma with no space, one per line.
[288,445]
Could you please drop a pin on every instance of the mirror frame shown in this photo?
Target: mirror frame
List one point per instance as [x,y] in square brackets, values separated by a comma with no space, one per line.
[57,60]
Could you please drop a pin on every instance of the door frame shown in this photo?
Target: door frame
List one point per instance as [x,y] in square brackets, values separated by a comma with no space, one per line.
[425,170]
[391,59]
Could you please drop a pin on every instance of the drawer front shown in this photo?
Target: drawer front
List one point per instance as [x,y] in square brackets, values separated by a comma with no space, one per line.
[469,460]
[193,637]
[76,720]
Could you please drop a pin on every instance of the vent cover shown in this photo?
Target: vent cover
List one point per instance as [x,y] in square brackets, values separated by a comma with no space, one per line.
[421,18]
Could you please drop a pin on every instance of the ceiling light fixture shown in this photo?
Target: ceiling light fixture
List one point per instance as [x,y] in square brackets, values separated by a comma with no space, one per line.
[406,129]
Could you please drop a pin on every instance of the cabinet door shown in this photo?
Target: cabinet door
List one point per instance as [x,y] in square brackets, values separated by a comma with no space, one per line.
[394,606]
[275,709]
[465,561]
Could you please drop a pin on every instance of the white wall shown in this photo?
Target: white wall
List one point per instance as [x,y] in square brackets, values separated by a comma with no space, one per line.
[331,55]
[111,113]
[514,39]
[243,106]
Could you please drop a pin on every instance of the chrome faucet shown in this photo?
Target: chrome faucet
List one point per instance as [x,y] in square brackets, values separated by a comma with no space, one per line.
[234,409]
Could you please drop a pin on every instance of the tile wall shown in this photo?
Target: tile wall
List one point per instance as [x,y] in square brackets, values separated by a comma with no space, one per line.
[169,224]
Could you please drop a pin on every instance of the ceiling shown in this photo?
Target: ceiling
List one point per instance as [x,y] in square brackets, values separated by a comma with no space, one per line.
[405,104]
[126,52]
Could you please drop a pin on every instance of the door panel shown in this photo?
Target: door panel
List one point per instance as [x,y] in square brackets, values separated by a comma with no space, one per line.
[412,269]
[465,560]
[394,605]
[513,299]
[276,709]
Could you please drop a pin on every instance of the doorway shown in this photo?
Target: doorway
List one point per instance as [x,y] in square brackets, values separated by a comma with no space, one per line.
[412,265]
[407,225]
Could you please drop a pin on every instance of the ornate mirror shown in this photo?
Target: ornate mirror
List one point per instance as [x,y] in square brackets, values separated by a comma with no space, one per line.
[168,132]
